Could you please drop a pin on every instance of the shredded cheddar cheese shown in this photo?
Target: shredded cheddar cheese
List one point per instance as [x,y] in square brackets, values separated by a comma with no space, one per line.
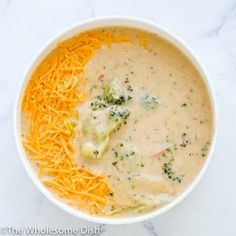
[54,90]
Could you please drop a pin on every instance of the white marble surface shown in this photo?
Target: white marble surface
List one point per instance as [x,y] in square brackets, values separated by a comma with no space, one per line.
[208,26]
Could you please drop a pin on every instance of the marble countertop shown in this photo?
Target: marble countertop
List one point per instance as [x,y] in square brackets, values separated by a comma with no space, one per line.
[208,26]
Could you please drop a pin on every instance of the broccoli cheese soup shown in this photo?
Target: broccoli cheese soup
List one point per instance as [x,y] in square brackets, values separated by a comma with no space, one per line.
[116,121]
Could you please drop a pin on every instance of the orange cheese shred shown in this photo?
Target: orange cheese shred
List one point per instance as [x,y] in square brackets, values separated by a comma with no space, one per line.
[54,90]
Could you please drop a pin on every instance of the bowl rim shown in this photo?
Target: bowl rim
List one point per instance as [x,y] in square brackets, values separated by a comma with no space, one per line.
[77,28]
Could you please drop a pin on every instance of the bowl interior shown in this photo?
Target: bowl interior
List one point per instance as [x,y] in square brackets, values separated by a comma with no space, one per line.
[88,25]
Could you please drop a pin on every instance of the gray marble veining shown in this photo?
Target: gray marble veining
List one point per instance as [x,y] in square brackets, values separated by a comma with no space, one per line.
[148,225]
[230,13]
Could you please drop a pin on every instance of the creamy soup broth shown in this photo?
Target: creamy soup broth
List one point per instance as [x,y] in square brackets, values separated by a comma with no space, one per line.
[182,122]
[147,123]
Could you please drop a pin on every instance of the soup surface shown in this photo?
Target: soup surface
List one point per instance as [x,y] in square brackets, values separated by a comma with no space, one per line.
[117,121]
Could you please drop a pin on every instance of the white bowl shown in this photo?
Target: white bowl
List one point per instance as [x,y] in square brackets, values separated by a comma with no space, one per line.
[88,25]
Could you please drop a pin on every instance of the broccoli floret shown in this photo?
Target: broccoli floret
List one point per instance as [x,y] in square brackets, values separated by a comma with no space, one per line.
[113,93]
[149,102]
[167,166]
[98,105]
[94,151]
[107,118]
[97,140]
[117,116]
[87,127]
[93,132]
